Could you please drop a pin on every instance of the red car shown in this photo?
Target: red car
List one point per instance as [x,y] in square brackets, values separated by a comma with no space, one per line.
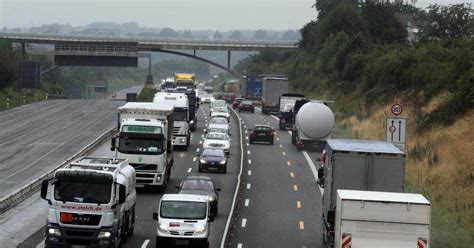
[262,133]
[246,106]
[236,102]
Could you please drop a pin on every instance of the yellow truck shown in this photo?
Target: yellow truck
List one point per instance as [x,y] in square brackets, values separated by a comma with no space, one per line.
[187,80]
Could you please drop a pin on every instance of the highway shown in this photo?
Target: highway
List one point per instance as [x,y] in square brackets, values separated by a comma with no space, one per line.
[280,202]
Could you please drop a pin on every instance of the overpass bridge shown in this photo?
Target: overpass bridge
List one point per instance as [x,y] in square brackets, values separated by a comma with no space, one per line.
[80,50]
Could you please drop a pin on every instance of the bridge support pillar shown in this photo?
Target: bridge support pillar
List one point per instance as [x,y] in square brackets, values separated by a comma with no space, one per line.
[194,52]
[23,51]
[228,59]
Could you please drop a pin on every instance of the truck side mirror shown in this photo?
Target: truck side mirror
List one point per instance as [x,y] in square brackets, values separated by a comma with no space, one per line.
[155,216]
[122,193]
[112,144]
[44,189]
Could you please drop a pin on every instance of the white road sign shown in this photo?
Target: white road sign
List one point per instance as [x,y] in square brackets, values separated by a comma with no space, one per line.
[396,132]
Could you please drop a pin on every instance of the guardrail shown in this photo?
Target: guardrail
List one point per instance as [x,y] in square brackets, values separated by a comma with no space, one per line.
[24,192]
[230,218]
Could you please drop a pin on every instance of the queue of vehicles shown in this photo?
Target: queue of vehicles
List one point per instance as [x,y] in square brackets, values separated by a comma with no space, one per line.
[363,181]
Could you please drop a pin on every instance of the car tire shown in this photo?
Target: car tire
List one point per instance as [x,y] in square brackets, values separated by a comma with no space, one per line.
[225,169]
[271,142]
[253,111]
[199,169]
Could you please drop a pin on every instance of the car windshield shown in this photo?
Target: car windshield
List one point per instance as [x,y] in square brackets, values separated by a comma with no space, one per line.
[219,121]
[217,136]
[140,146]
[183,210]
[84,192]
[261,128]
[197,184]
[220,110]
[246,103]
[217,130]
[213,153]
[179,115]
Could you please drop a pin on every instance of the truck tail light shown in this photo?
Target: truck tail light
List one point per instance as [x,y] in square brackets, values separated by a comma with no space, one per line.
[346,240]
[422,243]
[65,217]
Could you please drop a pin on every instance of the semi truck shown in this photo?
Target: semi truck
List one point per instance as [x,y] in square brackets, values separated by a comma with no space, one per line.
[357,165]
[252,87]
[193,105]
[287,103]
[187,80]
[373,219]
[272,89]
[145,131]
[314,123]
[181,130]
[91,203]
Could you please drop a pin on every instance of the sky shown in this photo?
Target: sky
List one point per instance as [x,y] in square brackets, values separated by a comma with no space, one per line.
[177,14]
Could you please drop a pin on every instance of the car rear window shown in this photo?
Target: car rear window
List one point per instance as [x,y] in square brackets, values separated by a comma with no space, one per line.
[261,128]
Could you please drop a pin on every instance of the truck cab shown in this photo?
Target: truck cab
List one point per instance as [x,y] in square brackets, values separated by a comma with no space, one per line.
[181,131]
[143,138]
[183,219]
[91,203]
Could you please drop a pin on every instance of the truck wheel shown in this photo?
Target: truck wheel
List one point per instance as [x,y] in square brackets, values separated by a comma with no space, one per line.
[132,223]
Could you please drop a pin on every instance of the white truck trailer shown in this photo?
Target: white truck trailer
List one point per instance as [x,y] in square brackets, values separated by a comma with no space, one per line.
[144,138]
[181,130]
[371,219]
[91,203]
[313,126]
[272,89]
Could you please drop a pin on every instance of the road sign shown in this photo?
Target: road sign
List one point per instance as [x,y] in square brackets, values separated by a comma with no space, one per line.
[396,132]
[396,109]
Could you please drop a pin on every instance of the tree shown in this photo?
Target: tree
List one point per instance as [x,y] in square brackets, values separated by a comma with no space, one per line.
[8,64]
[236,35]
[169,33]
[187,34]
[382,24]
[447,22]
[325,6]
[290,35]
[218,36]
[260,35]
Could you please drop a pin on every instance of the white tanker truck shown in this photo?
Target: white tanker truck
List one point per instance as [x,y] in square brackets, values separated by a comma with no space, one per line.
[314,124]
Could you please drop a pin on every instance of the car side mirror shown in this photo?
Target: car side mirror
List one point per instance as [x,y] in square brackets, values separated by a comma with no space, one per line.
[155,215]
[218,189]
[112,144]
[227,156]
[122,193]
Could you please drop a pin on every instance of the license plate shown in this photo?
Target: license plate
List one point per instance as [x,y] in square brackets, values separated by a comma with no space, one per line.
[182,242]
[78,246]
[262,134]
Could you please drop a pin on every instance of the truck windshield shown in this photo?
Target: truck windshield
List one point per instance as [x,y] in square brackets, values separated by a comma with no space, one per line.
[84,192]
[179,115]
[140,146]
[183,210]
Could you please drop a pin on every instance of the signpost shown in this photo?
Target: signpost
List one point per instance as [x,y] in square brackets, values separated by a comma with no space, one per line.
[396,128]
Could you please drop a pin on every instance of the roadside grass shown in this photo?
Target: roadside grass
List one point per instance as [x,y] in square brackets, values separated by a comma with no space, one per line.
[439,165]
[16,98]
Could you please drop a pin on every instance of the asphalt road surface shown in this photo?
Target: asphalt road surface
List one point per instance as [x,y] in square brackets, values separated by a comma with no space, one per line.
[280,204]
[35,138]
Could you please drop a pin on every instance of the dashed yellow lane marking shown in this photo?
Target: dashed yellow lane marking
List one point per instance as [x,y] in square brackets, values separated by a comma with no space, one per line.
[301,225]
[288,163]
[292,174]
[298,204]
[295,187]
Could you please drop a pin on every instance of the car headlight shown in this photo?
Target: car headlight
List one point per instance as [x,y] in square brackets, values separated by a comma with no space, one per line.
[104,235]
[163,227]
[191,122]
[222,162]
[200,229]
[54,231]
[211,198]
[202,161]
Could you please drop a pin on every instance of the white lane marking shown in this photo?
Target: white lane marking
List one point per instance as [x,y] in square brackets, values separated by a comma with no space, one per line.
[145,243]
[247,202]
[274,117]
[313,169]
[204,130]
[250,161]
[200,142]
[197,150]
[245,126]
[289,132]
[239,245]
[248,152]
[249,172]
[248,144]
[190,169]
[245,132]
[246,137]
[244,222]
[248,185]
[202,136]
[194,159]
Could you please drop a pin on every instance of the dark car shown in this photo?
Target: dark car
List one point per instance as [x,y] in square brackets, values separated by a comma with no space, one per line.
[229,97]
[262,133]
[201,185]
[246,106]
[212,159]
[236,102]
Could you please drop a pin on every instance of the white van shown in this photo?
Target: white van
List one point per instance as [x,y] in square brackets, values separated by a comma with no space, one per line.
[183,219]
